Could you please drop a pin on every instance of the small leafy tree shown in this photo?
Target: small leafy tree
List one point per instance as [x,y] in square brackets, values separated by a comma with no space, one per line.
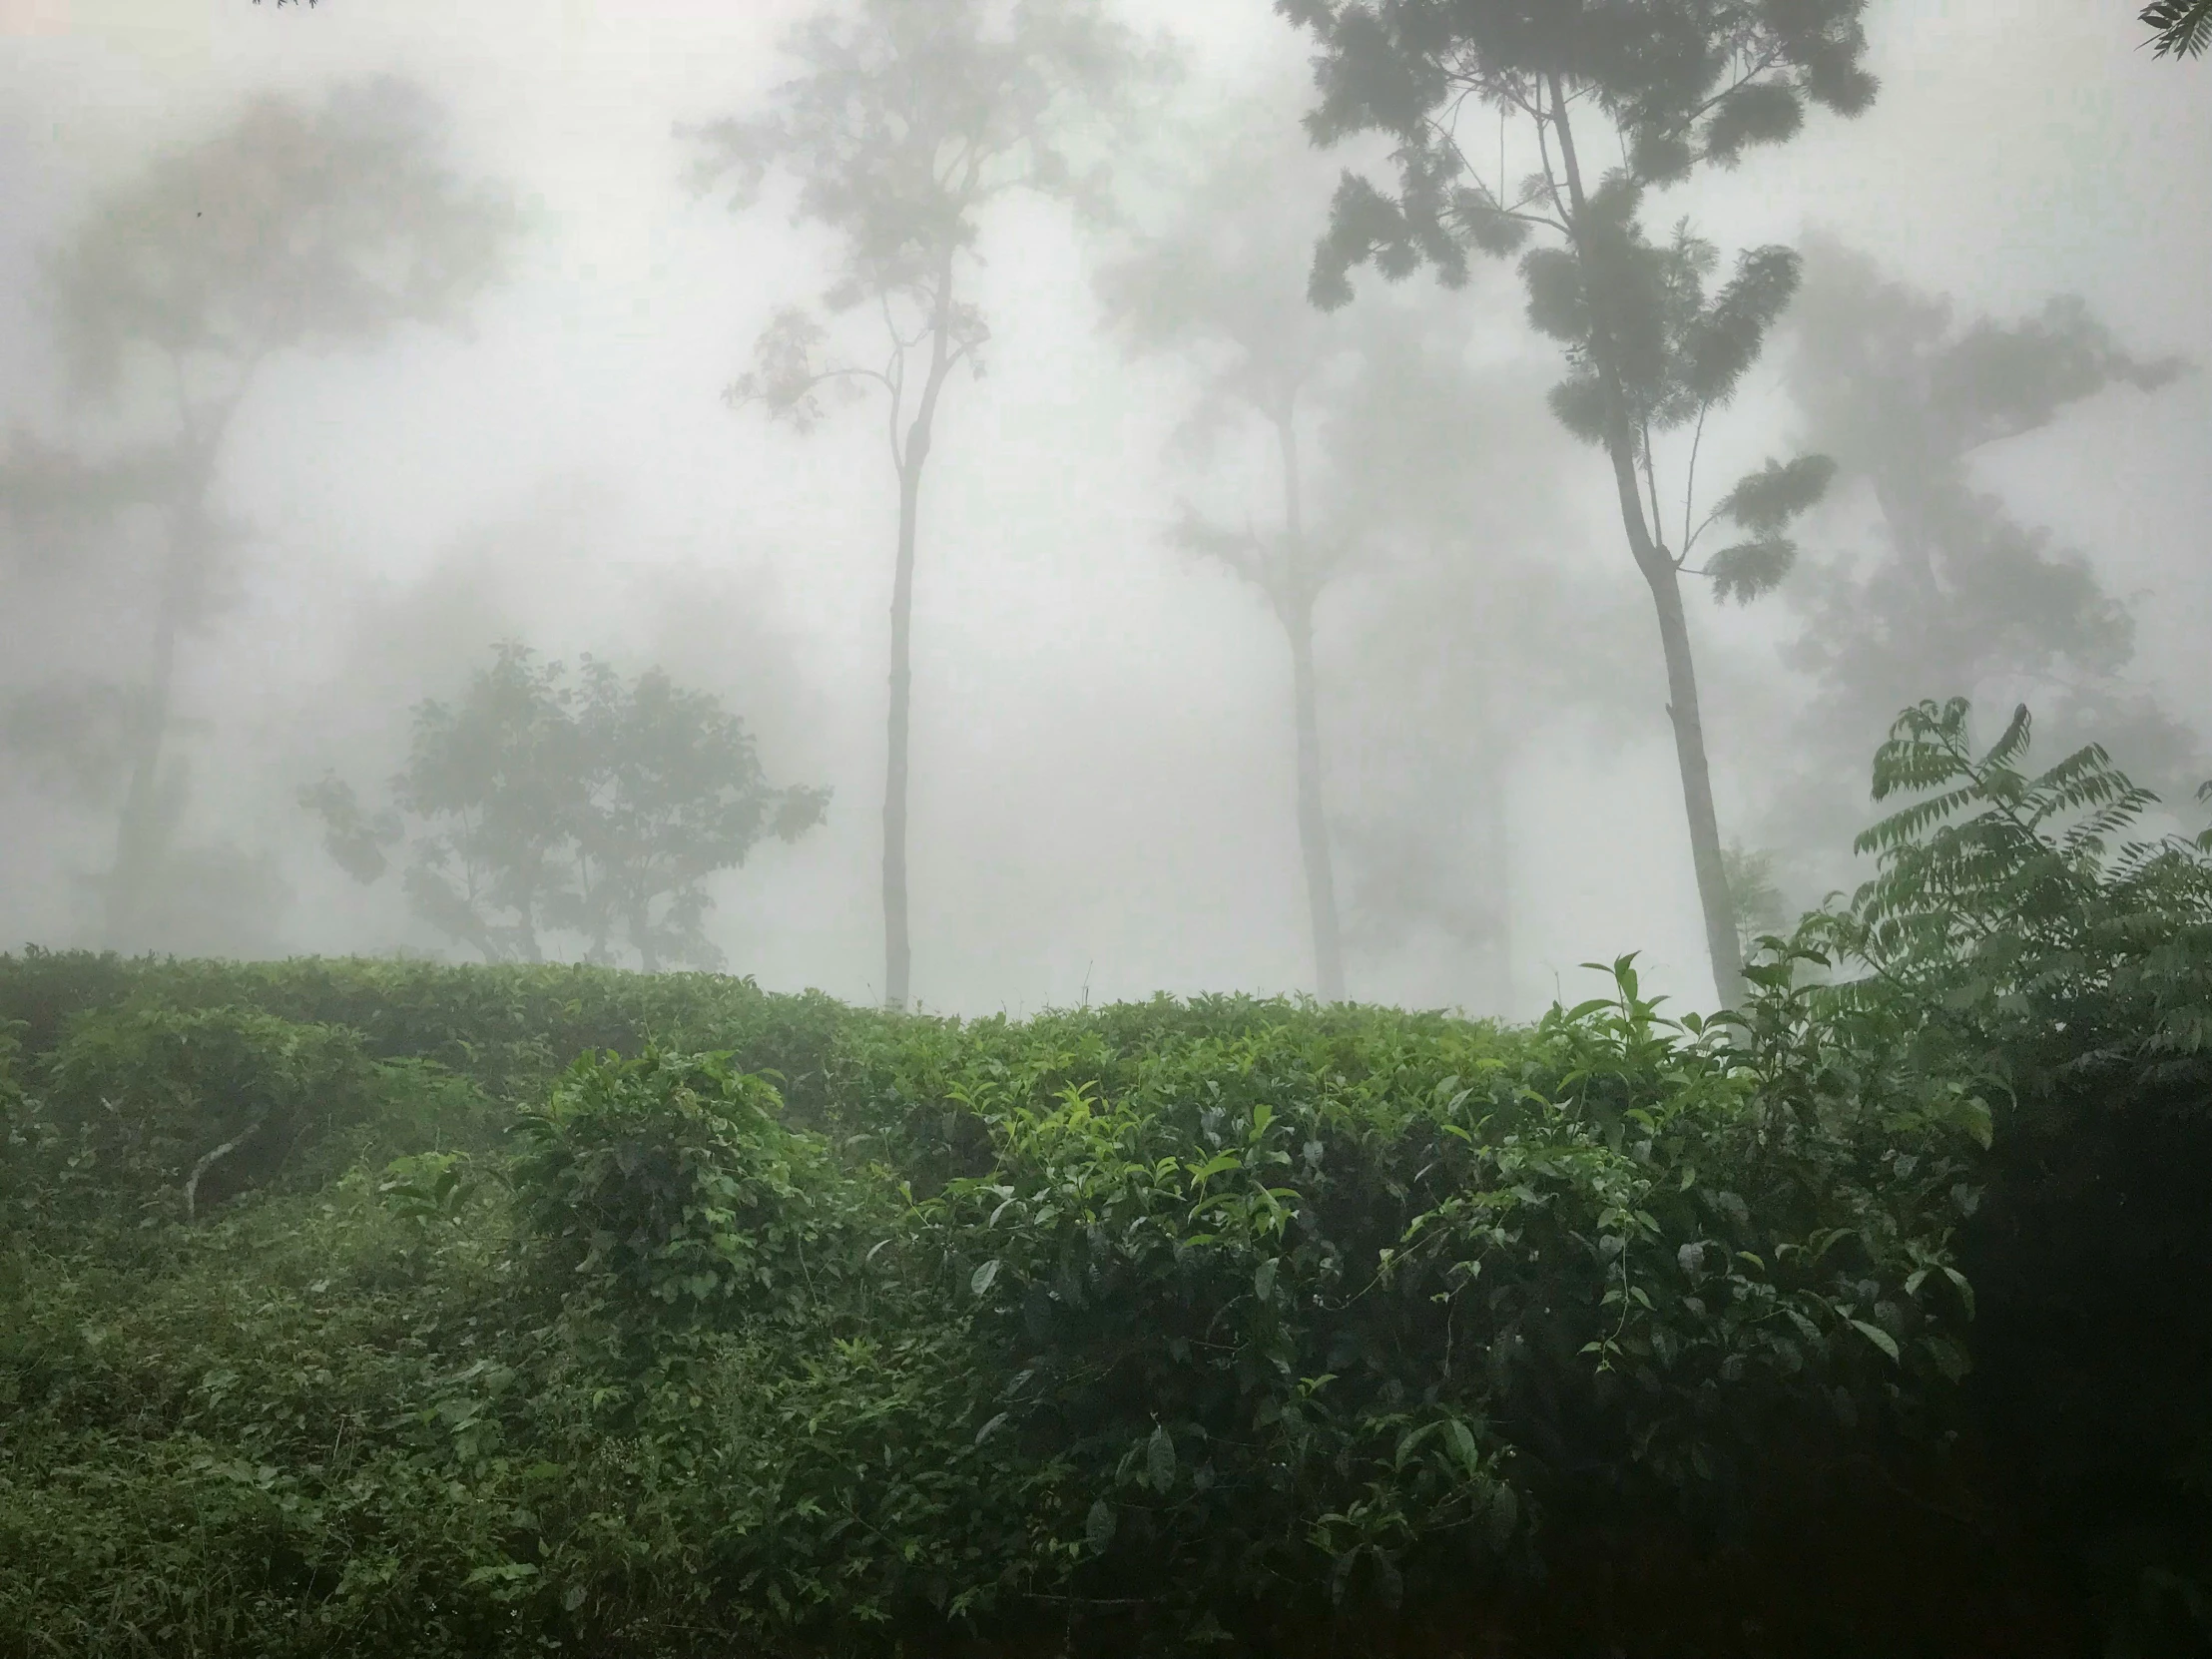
[597,810]
[908,119]
[1652,346]
[294,228]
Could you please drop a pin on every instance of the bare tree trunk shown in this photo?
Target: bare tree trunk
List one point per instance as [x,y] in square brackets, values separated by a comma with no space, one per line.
[1722,941]
[897,948]
[943,353]
[1499,838]
[1296,604]
[141,833]
[1907,527]
[1664,579]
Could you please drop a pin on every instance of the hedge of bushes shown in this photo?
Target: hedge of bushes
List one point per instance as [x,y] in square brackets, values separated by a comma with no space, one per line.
[559,1310]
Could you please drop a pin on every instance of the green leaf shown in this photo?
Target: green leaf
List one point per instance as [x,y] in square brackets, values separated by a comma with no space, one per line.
[1263,1280]
[1098,1526]
[1504,1516]
[982,1278]
[1463,1442]
[1159,1459]
[1966,1289]
[1877,1336]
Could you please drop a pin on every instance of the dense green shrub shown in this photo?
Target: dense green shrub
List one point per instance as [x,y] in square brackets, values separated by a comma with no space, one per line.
[667,1185]
[1865,1322]
[2016,936]
[177,1109]
[511,1028]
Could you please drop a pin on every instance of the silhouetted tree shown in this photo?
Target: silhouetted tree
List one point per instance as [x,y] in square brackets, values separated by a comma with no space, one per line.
[593,809]
[1219,286]
[1650,349]
[293,229]
[1961,597]
[907,119]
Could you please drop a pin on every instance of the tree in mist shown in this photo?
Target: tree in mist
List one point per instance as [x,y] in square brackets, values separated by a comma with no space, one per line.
[908,119]
[293,229]
[597,807]
[1652,346]
[1218,287]
[2179,28]
[1907,396]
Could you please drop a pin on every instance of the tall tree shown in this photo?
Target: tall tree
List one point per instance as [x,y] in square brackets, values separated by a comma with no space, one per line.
[910,118]
[294,228]
[1650,350]
[1957,596]
[1218,285]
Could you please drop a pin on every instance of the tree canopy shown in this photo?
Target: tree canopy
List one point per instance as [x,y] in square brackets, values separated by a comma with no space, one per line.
[1650,347]
[599,807]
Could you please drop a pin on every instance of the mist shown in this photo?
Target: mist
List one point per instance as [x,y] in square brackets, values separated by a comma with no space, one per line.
[531,444]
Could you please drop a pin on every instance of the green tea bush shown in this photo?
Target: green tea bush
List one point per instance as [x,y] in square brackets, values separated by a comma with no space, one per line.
[667,1184]
[1865,1321]
[511,1028]
[185,1109]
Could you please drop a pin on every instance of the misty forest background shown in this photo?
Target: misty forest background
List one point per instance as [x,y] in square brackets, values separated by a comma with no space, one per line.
[1096,557]
[458,373]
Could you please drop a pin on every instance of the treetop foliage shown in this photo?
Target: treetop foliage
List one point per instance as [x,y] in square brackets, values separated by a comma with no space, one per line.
[907,119]
[1685,82]
[241,245]
[2183,27]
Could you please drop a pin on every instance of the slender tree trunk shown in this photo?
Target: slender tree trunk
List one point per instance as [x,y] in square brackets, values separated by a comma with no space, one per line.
[1907,527]
[897,948]
[1297,607]
[1664,579]
[140,831]
[1497,831]
[1722,941]
[1312,823]
[943,353]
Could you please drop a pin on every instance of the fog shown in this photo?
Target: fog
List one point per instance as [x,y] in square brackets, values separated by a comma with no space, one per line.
[1104,786]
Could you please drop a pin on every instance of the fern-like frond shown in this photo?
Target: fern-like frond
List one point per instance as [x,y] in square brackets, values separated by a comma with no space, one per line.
[2180,28]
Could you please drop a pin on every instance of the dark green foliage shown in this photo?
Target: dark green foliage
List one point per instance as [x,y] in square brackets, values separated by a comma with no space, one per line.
[1225,1324]
[2183,27]
[668,1180]
[177,1110]
[2015,931]
[510,1028]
